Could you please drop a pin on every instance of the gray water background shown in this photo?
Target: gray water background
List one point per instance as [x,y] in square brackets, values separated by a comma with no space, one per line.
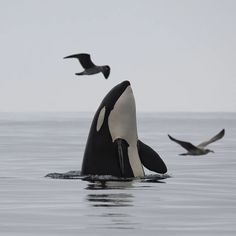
[199,198]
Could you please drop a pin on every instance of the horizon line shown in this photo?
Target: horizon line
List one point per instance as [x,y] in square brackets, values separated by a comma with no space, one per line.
[139,111]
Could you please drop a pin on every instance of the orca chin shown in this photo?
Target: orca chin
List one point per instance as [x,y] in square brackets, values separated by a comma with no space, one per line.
[113,147]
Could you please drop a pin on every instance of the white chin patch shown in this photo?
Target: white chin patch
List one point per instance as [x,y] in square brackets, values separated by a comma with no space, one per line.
[122,124]
[101,117]
[122,119]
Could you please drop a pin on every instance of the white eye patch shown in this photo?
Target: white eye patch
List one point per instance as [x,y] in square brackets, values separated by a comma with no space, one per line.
[101,117]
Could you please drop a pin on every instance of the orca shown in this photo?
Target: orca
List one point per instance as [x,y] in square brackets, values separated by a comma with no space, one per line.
[113,147]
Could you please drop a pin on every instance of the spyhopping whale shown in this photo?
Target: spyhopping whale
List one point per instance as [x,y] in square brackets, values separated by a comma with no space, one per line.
[89,67]
[113,147]
[199,149]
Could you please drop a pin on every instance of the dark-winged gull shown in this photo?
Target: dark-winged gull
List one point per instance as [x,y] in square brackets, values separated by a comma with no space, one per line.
[199,149]
[89,67]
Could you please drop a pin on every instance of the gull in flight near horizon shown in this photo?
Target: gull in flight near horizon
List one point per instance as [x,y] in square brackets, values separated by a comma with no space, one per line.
[89,67]
[199,149]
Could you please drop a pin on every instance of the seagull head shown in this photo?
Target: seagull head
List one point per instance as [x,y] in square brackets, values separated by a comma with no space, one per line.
[208,150]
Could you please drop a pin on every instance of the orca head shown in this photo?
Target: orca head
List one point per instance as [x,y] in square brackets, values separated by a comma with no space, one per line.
[108,103]
[111,98]
[118,112]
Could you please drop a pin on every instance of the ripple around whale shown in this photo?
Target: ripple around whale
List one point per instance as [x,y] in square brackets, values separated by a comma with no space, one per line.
[104,178]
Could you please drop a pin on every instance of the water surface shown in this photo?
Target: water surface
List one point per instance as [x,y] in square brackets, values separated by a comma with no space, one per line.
[199,199]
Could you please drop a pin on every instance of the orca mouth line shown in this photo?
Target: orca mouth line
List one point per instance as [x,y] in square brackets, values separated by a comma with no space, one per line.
[121,157]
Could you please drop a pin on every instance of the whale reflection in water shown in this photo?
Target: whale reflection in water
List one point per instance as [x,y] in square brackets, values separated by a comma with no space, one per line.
[111,200]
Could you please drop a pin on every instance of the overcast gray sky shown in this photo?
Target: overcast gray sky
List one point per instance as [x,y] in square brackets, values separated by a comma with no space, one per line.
[179,55]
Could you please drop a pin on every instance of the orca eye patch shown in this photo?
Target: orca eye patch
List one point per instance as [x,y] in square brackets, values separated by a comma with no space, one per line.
[100,119]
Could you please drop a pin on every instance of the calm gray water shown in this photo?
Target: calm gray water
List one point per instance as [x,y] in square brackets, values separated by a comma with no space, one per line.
[199,199]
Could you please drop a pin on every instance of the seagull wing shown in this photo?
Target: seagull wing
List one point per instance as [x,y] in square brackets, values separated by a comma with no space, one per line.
[84,60]
[188,146]
[213,139]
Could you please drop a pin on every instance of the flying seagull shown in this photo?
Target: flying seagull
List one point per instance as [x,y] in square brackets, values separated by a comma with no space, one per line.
[89,67]
[199,149]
